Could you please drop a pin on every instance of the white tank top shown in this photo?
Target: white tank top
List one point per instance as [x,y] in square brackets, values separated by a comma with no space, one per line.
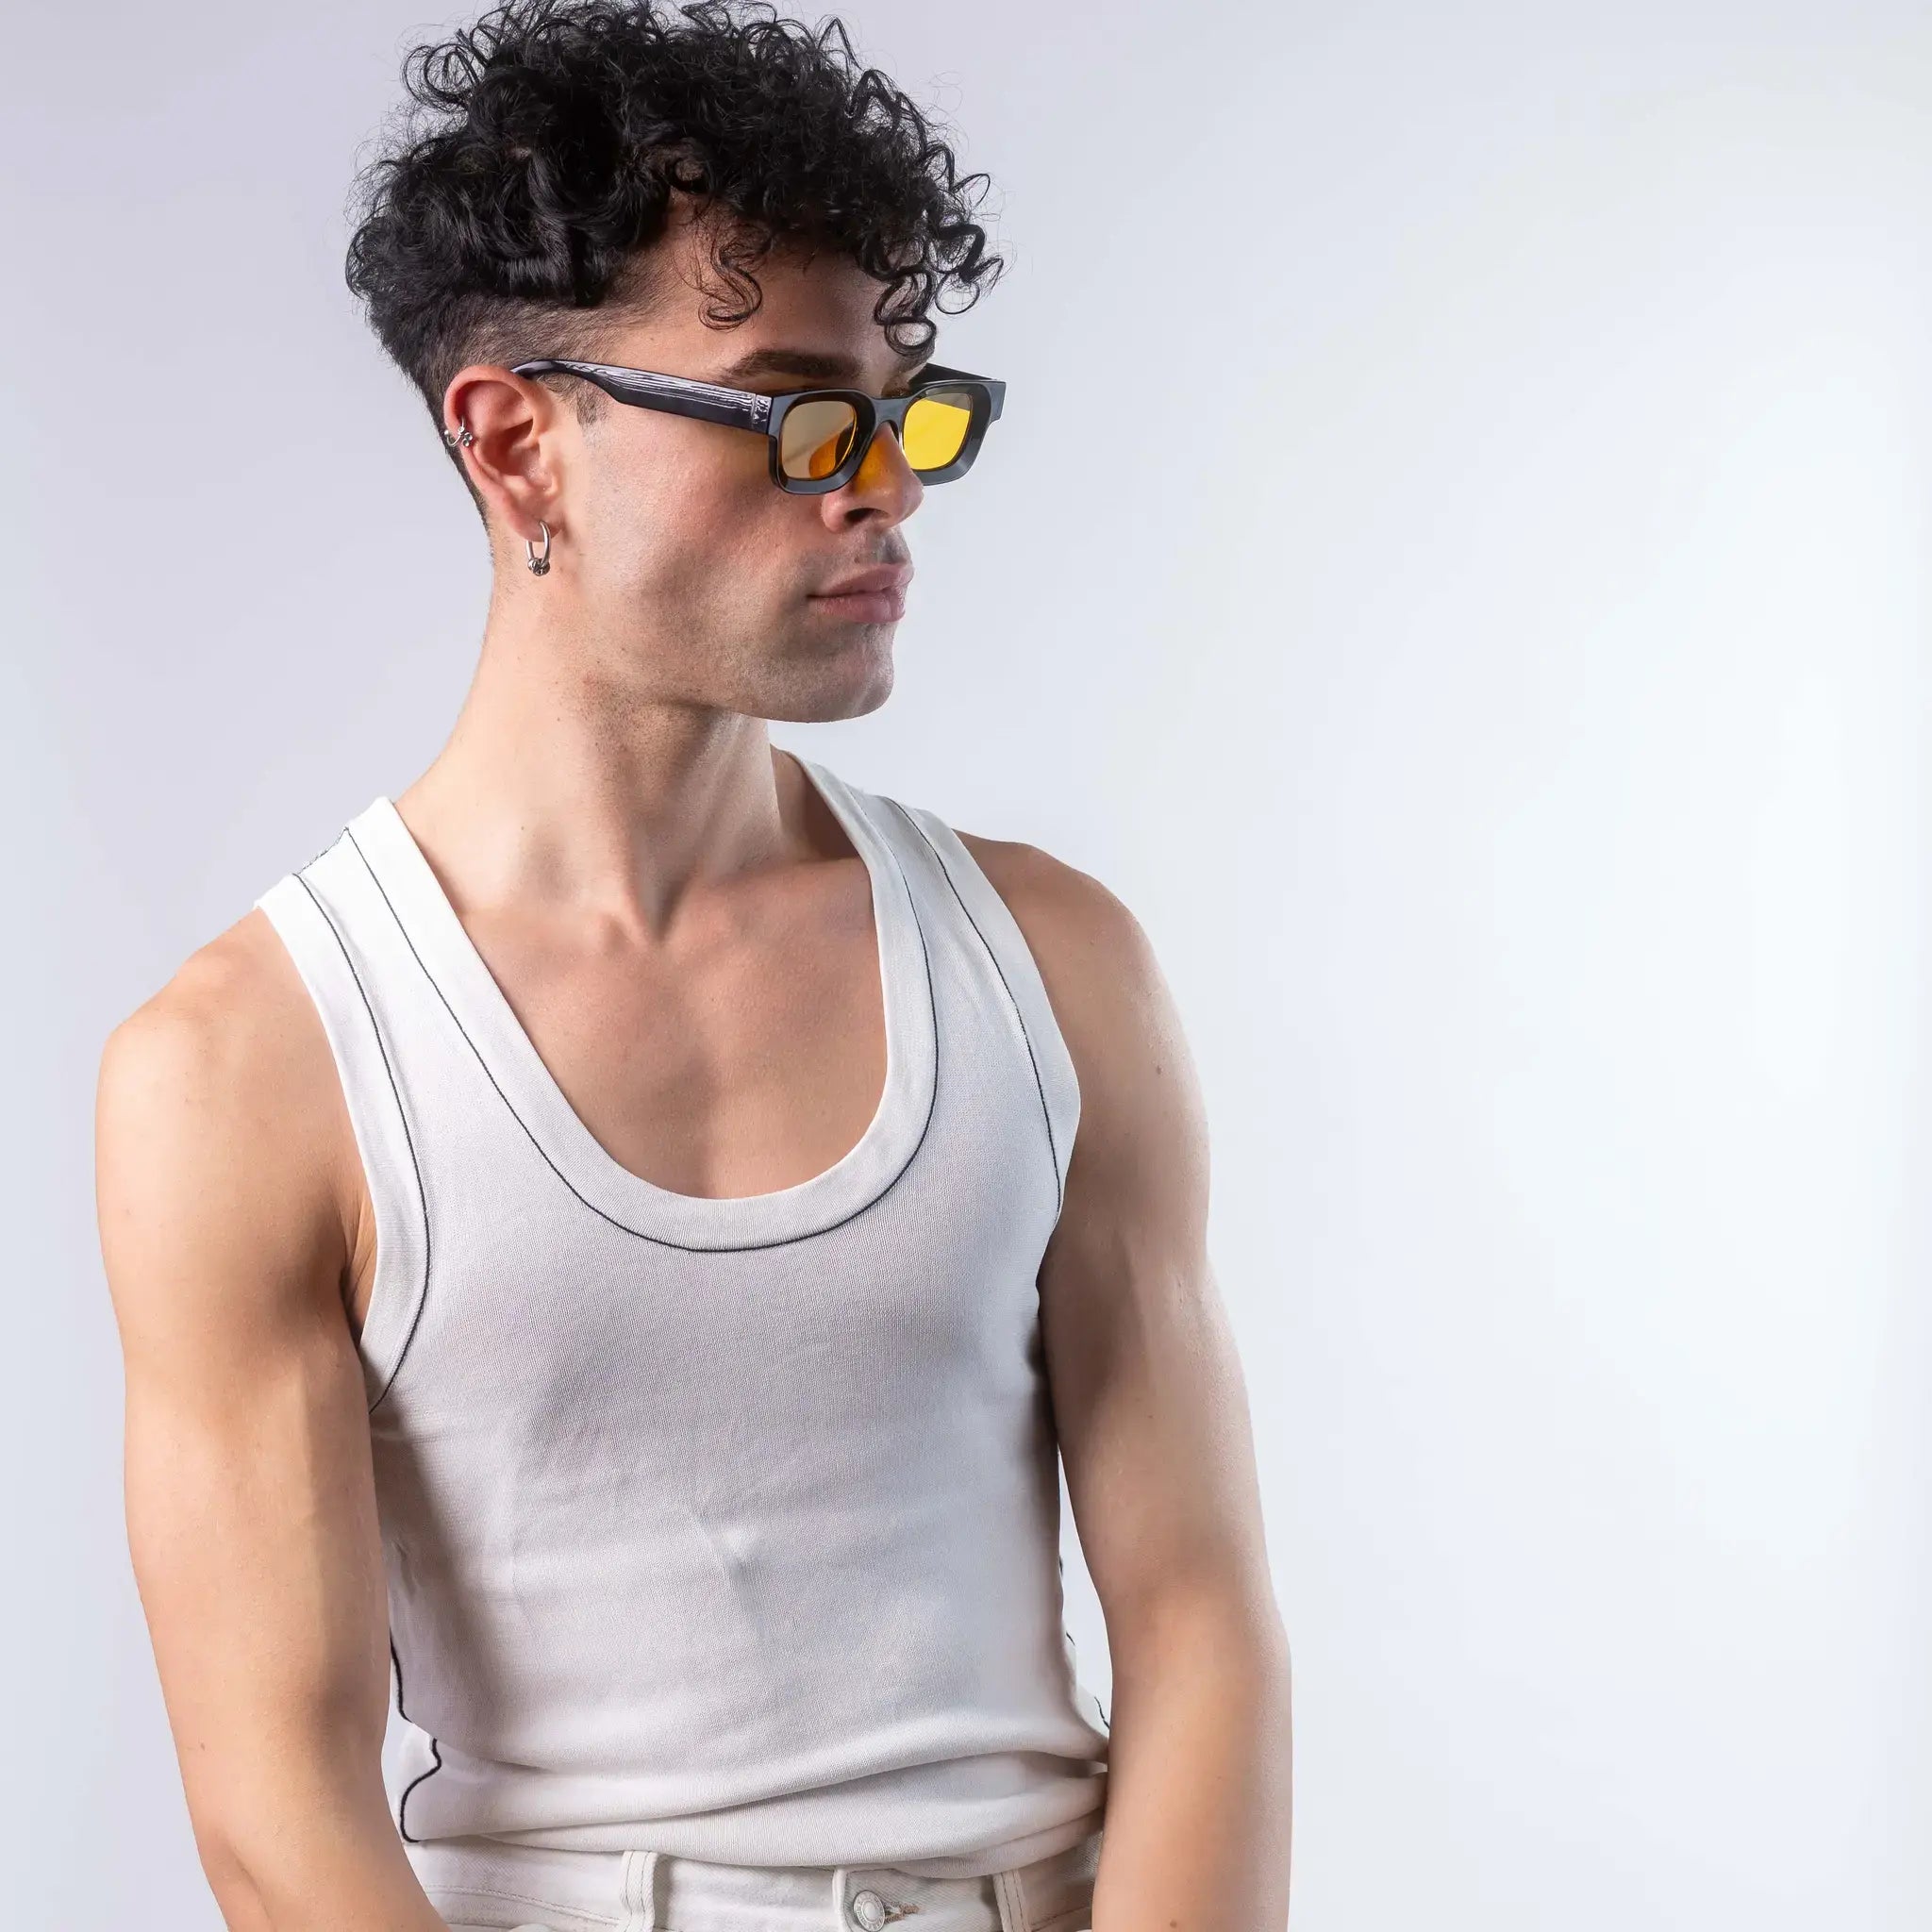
[724,1527]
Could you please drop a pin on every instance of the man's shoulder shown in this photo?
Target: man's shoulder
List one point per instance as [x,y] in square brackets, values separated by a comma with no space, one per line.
[1056,904]
[1142,1121]
[231,1004]
[1094,956]
[225,1073]
[235,1014]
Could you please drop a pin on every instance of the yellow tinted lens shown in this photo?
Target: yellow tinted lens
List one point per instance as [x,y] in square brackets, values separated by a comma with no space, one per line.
[936,427]
[815,438]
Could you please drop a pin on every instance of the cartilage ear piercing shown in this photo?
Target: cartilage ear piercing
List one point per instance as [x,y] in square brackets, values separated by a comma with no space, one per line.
[539,564]
[465,439]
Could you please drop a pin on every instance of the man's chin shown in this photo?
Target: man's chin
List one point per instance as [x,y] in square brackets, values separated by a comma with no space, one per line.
[817,686]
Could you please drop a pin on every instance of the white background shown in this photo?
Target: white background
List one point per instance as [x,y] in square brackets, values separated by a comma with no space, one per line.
[1488,655]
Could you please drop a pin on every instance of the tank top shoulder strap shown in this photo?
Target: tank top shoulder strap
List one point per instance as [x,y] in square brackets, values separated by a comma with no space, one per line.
[336,931]
[930,850]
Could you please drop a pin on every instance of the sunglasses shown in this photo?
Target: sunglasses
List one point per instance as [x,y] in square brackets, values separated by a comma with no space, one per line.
[818,436]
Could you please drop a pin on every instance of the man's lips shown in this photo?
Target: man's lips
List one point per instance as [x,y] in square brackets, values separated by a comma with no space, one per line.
[869,606]
[875,596]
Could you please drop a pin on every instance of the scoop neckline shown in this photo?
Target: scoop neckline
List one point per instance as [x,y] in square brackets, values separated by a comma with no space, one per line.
[483,1014]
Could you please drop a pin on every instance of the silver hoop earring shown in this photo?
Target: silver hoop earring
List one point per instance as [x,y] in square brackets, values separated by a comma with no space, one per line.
[539,564]
[466,438]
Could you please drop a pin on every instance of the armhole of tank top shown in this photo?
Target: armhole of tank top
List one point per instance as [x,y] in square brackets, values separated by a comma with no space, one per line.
[1012,956]
[323,955]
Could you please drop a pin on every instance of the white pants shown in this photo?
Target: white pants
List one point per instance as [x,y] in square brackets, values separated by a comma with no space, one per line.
[480,1885]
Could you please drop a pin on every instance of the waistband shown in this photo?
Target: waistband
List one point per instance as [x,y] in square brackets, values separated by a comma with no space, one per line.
[484,1882]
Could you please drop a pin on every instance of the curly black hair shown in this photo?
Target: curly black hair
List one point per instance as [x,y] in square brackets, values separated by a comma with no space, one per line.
[516,223]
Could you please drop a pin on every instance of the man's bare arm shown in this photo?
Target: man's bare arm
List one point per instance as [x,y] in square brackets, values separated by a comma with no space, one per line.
[1154,1431]
[251,1517]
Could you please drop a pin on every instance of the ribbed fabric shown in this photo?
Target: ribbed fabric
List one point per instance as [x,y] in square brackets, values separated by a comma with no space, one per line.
[726,1528]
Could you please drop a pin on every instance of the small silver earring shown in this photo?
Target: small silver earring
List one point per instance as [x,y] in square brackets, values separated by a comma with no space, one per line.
[465,439]
[539,564]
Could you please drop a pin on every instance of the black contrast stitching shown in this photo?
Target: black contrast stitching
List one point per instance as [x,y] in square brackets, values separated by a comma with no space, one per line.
[436,1749]
[401,1113]
[661,1241]
[1033,1059]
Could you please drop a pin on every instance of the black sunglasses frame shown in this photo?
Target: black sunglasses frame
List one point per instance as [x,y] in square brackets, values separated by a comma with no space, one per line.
[753,409]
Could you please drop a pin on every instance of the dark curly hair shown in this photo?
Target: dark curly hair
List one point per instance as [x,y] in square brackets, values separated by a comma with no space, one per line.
[513,224]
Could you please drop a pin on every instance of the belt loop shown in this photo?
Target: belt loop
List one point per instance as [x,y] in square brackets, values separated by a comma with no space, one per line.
[639,1891]
[1011,1895]
[838,1873]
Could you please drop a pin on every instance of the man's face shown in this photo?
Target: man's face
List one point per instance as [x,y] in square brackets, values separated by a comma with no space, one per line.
[690,574]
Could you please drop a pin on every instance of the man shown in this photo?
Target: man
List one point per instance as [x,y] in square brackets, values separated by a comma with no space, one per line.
[608,1254]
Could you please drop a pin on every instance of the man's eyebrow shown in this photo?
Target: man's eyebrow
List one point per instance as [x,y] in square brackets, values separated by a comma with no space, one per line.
[813,365]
